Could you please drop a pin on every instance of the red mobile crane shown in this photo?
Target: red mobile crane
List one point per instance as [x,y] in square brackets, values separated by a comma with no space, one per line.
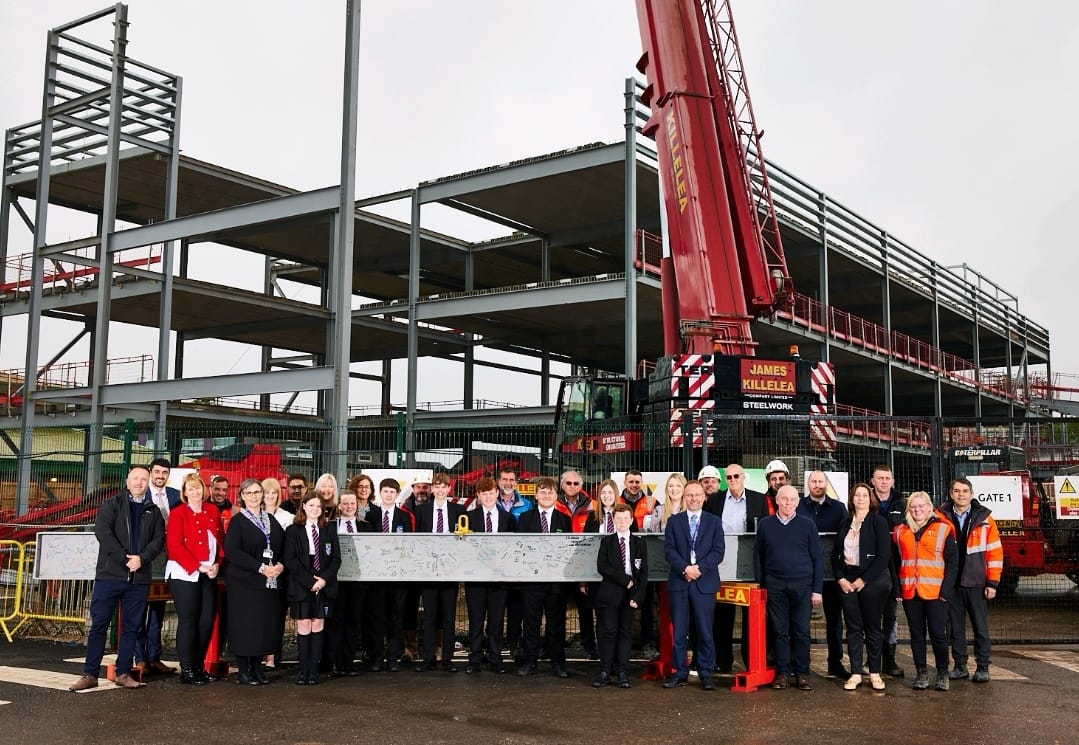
[726,264]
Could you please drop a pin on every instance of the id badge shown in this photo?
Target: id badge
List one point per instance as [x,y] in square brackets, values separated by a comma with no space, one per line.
[268,554]
[692,557]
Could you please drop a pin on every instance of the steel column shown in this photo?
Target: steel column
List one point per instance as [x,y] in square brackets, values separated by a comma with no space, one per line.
[886,318]
[413,330]
[168,252]
[630,230]
[825,299]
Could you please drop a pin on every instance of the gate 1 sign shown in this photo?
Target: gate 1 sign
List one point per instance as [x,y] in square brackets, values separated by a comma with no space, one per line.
[1066,489]
[1001,494]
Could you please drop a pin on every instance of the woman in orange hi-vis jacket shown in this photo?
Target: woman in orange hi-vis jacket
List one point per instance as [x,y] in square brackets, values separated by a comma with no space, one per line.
[928,565]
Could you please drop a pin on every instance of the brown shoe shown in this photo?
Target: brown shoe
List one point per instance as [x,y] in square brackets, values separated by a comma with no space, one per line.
[126,681]
[84,683]
[803,683]
[143,668]
[158,666]
[780,682]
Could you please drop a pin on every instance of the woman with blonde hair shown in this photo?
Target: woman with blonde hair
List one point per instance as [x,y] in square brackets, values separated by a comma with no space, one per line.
[672,500]
[928,565]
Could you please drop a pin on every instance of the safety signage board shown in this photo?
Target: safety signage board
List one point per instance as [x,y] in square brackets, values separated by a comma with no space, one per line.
[1067,494]
[1001,494]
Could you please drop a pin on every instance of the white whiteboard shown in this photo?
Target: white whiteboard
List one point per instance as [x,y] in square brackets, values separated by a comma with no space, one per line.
[65,556]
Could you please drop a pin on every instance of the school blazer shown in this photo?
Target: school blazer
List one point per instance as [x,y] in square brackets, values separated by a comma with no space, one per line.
[425,516]
[297,560]
[612,591]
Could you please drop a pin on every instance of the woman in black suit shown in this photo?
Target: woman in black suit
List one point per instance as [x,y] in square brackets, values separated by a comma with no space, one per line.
[622,590]
[312,556]
[253,565]
[860,560]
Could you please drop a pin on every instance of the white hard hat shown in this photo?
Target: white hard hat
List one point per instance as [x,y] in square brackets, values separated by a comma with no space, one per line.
[708,472]
[776,465]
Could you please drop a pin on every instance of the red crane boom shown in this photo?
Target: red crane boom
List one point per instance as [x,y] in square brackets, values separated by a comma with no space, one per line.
[726,263]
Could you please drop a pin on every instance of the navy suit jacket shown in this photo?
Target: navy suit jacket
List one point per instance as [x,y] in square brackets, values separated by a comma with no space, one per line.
[477,524]
[710,547]
[425,516]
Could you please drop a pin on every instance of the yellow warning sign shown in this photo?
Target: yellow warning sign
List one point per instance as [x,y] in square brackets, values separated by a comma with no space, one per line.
[1066,498]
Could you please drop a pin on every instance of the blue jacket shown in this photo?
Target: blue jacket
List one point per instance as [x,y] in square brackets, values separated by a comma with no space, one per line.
[709,548]
[521,505]
[827,516]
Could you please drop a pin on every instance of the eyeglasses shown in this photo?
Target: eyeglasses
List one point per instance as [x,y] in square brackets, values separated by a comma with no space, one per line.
[252,492]
[733,476]
[572,483]
[297,487]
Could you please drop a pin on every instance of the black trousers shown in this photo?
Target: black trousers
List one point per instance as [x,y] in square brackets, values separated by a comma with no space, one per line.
[486,603]
[544,601]
[723,633]
[862,611]
[439,614]
[585,616]
[387,599]
[194,619]
[514,616]
[833,623]
[344,624]
[964,602]
[614,627]
[931,615]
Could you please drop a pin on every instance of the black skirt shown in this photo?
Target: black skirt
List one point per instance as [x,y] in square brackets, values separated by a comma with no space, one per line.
[311,607]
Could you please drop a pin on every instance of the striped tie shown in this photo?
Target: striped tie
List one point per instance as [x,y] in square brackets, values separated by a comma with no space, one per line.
[386,521]
[490,528]
[316,561]
[544,525]
[622,550]
[610,522]
[441,528]
[348,526]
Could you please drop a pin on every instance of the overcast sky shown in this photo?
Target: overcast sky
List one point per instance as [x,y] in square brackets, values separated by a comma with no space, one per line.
[949,124]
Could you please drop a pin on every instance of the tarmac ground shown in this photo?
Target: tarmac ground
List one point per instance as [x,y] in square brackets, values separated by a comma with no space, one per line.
[1030,699]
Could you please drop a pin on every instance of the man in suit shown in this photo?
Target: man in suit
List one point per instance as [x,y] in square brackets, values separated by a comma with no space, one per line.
[739,509]
[387,598]
[693,545]
[130,534]
[439,516]
[623,563]
[486,601]
[544,599]
[827,514]
[148,644]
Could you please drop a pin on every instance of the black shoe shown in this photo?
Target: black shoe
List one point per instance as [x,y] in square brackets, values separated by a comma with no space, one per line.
[312,679]
[674,682]
[959,673]
[529,668]
[498,668]
[722,669]
[601,680]
[376,668]
[259,675]
[707,684]
[338,673]
[393,668]
[623,680]
[245,679]
[301,679]
[204,676]
[449,668]
[559,671]
[188,677]
[838,671]
[592,653]
[471,669]
[425,667]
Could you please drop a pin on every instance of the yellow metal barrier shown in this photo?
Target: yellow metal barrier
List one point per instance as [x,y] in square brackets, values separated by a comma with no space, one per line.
[59,601]
[12,554]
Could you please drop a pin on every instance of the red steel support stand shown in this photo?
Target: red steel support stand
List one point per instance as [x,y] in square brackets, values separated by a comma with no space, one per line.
[214,664]
[758,674]
[661,669]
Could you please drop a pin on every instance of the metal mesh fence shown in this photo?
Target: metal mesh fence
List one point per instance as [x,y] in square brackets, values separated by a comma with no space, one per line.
[1038,599]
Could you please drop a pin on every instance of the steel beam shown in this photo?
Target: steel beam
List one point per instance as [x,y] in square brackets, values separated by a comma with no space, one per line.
[208,224]
[413,341]
[538,297]
[629,229]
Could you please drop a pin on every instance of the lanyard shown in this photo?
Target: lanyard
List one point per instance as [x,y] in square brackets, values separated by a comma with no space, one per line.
[257,520]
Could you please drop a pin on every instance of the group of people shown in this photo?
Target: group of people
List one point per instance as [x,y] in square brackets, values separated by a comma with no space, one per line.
[281,557]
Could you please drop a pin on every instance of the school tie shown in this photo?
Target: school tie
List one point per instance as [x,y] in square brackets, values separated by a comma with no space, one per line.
[490,528]
[441,528]
[386,522]
[622,550]
[348,526]
[544,526]
[610,522]
[316,562]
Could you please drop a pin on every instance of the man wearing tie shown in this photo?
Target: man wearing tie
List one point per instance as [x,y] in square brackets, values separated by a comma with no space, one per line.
[387,598]
[544,599]
[486,600]
[343,625]
[694,546]
[623,563]
[148,644]
[439,516]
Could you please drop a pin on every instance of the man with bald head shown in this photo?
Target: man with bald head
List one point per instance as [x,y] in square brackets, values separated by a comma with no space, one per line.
[828,514]
[740,509]
[789,564]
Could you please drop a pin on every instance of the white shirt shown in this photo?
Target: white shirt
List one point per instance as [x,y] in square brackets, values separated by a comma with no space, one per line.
[734,514]
[493,512]
[310,541]
[342,525]
[387,515]
[548,513]
[446,527]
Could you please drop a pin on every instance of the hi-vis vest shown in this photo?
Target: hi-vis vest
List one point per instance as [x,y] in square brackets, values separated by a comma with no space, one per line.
[921,567]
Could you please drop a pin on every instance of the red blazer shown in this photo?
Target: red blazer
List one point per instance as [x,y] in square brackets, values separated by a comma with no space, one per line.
[185,535]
